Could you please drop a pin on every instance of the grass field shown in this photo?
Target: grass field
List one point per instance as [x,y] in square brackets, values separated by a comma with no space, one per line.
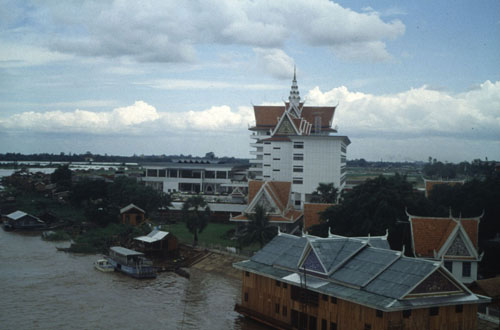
[213,234]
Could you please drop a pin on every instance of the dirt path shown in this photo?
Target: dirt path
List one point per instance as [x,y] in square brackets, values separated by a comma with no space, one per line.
[220,263]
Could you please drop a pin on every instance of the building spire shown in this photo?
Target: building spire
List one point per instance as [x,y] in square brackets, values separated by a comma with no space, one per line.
[294,97]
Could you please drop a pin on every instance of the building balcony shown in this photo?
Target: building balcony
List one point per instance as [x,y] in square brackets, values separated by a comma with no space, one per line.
[256,161]
[257,152]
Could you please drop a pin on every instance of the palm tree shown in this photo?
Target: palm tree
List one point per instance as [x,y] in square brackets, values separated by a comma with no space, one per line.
[197,214]
[258,229]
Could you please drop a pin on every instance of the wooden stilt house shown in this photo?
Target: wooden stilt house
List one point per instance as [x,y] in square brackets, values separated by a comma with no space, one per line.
[340,283]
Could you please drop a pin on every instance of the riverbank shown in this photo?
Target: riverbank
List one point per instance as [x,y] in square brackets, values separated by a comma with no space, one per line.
[220,263]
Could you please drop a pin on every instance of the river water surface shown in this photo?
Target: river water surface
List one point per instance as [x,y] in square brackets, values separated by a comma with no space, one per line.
[41,288]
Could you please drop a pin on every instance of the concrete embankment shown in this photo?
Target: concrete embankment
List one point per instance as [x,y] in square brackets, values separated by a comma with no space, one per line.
[222,263]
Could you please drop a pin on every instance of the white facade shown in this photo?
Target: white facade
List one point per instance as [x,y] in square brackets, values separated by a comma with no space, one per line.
[298,147]
[190,178]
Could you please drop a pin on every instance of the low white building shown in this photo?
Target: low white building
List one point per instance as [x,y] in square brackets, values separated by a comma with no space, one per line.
[194,176]
[297,143]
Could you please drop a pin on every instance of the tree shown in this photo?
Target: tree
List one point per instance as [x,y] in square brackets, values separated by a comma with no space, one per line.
[325,193]
[197,214]
[61,176]
[375,206]
[258,229]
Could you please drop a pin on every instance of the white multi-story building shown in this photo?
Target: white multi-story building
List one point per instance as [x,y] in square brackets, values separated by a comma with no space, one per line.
[297,143]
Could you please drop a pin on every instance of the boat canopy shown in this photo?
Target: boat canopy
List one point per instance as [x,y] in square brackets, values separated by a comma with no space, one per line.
[125,252]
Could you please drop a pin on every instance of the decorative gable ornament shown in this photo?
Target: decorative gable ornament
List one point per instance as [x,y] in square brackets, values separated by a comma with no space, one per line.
[312,263]
[458,248]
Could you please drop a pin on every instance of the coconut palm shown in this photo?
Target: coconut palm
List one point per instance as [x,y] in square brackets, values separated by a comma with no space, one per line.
[197,214]
[258,229]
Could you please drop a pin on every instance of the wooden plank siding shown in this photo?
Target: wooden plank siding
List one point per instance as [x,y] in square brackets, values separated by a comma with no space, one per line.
[268,297]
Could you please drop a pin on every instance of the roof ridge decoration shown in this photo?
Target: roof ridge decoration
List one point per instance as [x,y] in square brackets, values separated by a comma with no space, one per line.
[285,126]
[262,193]
[294,98]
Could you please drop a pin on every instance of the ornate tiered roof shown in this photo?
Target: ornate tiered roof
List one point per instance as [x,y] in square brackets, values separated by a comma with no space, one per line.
[437,237]
[275,197]
[354,270]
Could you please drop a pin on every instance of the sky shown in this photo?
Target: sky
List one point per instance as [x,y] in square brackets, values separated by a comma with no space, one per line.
[410,79]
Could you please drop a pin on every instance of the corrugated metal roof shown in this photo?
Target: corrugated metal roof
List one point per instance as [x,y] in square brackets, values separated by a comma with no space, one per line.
[16,215]
[154,236]
[124,251]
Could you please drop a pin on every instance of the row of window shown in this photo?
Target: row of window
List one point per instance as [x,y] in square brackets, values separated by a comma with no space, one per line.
[188,174]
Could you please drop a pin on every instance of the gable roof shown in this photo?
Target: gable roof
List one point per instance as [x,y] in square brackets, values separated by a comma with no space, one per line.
[268,116]
[312,213]
[278,194]
[131,207]
[352,270]
[154,236]
[430,235]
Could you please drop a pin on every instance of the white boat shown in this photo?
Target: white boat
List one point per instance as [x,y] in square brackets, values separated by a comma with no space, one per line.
[104,265]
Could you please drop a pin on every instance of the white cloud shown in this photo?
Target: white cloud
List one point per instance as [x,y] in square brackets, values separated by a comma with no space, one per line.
[275,61]
[138,119]
[170,31]
[416,112]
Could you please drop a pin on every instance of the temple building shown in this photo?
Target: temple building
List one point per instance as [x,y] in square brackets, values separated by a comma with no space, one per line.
[453,240]
[338,283]
[297,143]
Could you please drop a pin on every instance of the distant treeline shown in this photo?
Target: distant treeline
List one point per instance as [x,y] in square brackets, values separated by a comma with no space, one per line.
[434,168]
[74,157]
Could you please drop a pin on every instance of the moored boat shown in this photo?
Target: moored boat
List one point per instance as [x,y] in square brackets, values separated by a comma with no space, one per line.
[104,265]
[131,262]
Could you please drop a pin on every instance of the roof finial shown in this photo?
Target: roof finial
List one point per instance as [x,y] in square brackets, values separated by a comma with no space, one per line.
[294,97]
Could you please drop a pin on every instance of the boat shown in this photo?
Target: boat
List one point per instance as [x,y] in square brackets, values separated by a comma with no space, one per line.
[131,262]
[104,265]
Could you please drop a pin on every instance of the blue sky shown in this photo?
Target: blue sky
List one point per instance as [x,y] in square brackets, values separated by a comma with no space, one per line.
[411,79]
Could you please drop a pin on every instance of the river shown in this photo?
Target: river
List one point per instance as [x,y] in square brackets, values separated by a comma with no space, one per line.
[42,288]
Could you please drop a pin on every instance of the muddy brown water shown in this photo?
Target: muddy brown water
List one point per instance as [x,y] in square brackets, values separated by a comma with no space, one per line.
[41,288]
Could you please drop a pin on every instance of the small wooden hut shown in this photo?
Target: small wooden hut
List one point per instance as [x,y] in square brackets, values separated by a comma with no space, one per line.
[132,215]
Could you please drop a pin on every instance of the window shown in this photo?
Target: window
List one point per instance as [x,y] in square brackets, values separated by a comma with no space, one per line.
[298,169]
[247,274]
[276,170]
[324,297]
[162,173]
[298,156]
[297,203]
[276,159]
[246,296]
[221,175]
[285,286]
[152,173]
[284,311]
[434,311]
[333,326]
[298,145]
[449,265]
[172,173]
[295,318]
[267,154]
[379,313]
[323,324]
[333,300]
[278,283]
[406,313]
[267,164]
[459,308]
[297,180]
[312,322]
[276,148]
[210,174]
[277,308]
[466,269]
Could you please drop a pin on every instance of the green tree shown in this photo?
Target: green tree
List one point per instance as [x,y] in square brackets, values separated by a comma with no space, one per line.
[258,229]
[197,215]
[375,206]
[62,176]
[325,193]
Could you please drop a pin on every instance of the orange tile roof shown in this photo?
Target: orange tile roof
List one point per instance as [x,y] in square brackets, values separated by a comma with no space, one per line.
[311,213]
[253,188]
[281,190]
[429,234]
[267,116]
[326,113]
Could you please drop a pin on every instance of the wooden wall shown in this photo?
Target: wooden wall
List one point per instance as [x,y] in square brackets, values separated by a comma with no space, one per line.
[269,299]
